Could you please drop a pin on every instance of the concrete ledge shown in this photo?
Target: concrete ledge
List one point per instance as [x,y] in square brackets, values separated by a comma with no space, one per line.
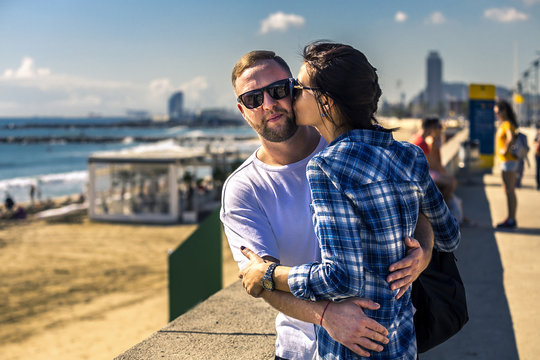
[450,151]
[228,325]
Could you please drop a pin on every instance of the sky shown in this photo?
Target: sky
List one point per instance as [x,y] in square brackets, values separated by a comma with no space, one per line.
[74,57]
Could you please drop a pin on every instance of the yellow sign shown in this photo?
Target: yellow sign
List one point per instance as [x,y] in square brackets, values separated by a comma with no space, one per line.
[518,98]
[482,92]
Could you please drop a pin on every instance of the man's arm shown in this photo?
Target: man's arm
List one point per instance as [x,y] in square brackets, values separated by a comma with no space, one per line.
[405,271]
[345,321]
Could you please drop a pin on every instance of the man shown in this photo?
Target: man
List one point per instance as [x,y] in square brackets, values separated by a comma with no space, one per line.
[265,207]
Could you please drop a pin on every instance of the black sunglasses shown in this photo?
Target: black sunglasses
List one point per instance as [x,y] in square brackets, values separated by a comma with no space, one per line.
[277,91]
[297,86]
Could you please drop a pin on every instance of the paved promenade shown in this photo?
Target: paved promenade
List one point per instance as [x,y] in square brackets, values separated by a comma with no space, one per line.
[500,270]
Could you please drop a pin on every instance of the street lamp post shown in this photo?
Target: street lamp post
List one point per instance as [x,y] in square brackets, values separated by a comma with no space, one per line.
[526,96]
[536,97]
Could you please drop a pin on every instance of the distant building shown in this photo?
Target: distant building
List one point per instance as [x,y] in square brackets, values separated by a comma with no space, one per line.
[176,106]
[138,114]
[434,82]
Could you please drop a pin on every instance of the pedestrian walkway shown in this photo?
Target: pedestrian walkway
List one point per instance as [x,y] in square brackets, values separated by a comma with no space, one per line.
[500,270]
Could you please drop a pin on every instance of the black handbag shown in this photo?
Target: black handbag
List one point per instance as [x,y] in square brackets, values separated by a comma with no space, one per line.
[440,301]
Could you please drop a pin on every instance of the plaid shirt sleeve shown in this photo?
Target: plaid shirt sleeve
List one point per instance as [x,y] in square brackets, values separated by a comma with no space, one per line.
[340,273]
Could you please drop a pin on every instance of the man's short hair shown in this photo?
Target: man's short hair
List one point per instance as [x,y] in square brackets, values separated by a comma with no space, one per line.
[431,123]
[251,58]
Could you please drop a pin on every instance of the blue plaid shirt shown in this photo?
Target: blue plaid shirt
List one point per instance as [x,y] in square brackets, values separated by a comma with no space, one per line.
[367,190]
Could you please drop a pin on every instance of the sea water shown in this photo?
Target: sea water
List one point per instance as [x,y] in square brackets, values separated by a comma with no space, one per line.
[60,168]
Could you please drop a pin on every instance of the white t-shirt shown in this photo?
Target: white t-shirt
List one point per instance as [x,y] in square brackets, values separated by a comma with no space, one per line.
[266,208]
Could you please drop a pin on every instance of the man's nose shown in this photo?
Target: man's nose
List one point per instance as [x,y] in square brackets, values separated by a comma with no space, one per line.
[268,101]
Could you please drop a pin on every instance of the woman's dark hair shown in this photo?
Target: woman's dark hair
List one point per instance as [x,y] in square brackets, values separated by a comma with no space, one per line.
[431,122]
[506,112]
[344,74]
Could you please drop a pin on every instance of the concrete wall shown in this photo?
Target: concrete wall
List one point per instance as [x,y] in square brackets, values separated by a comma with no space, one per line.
[228,325]
[231,324]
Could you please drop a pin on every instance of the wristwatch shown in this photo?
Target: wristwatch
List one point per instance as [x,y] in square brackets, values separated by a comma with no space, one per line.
[267,280]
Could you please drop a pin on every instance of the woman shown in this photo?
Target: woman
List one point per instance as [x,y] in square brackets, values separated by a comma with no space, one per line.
[504,137]
[367,191]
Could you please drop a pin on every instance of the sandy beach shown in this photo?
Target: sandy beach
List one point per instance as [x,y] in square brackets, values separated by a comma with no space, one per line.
[68,288]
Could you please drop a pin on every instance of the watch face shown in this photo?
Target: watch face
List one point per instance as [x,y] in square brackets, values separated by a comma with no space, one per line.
[267,284]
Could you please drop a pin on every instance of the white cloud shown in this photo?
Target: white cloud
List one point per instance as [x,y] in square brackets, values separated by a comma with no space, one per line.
[28,90]
[194,88]
[400,16]
[281,22]
[436,18]
[160,87]
[505,15]
[26,70]
[28,76]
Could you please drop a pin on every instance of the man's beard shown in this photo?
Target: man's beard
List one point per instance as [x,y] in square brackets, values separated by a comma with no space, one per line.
[280,134]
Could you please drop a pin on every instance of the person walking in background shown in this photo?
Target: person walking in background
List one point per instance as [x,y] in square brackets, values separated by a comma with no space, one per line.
[504,137]
[537,154]
[265,206]
[32,193]
[367,192]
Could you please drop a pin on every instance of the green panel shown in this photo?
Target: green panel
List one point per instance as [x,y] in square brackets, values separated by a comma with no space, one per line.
[195,267]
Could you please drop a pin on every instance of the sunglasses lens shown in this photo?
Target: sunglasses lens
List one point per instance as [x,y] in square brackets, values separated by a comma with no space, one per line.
[279,91]
[253,99]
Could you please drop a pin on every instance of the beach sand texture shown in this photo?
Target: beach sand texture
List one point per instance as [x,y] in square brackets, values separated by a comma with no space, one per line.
[83,290]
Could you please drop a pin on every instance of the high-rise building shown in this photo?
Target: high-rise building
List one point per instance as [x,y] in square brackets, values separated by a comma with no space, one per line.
[434,85]
[176,106]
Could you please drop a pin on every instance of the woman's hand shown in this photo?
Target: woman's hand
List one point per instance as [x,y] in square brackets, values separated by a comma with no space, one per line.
[253,273]
[404,272]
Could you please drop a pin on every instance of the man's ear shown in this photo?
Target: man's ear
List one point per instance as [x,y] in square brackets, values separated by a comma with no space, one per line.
[241,109]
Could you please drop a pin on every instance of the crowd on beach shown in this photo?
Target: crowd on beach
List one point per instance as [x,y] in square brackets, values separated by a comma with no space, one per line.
[11,210]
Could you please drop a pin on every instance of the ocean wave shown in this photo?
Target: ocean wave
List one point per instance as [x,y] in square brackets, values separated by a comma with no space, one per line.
[160,146]
[41,180]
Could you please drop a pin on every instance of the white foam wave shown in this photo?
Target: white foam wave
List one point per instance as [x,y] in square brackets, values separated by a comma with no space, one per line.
[40,180]
[161,146]
[195,133]
[176,129]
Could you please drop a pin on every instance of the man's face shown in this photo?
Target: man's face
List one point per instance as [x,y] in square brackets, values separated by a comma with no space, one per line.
[274,119]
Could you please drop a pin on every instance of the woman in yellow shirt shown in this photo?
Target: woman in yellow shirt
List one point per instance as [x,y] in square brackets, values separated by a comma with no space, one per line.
[504,137]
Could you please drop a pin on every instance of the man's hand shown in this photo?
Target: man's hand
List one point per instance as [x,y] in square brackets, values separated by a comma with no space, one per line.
[346,323]
[253,273]
[408,269]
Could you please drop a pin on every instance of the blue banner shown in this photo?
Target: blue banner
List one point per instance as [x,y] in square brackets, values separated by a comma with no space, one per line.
[482,124]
